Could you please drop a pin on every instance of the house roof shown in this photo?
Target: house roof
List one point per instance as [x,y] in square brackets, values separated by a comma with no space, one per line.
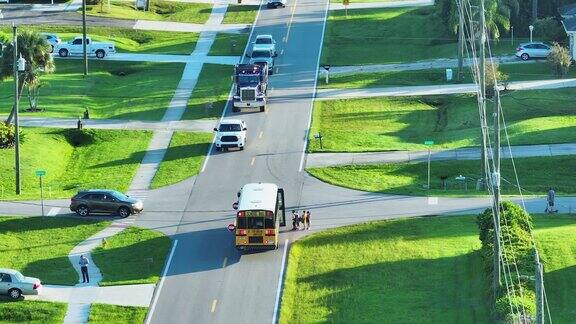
[567,10]
[569,24]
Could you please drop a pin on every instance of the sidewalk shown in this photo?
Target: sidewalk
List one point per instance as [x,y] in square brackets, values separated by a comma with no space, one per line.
[120,124]
[129,295]
[315,160]
[419,65]
[386,4]
[73,5]
[162,58]
[333,94]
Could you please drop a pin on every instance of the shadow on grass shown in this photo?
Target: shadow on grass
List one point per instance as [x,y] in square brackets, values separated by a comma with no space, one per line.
[560,287]
[448,290]
[9,225]
[54,271]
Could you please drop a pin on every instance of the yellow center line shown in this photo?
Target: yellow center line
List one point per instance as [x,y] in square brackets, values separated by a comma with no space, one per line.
[253,160]
[290,23]
[214,302]
[224,263]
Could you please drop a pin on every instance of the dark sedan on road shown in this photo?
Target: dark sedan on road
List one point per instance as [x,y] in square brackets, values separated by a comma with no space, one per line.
[105,201]
[276,3]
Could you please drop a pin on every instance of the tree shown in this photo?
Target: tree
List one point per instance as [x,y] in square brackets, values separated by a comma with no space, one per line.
[7,135]
[560,60]
[36,51]
[494,76]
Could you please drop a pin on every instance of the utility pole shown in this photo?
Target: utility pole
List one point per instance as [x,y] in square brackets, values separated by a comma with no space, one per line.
[84,38]
[460,75]
[16,108]
[496,188]
[482,80]
[539,290]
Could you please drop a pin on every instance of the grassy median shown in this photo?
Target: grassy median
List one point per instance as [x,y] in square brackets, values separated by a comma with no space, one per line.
[404,123]
[211,92]
[183,158]
[410,178]
[105,314]
[196,13]
[73,160]
[414,270]
[123,90]
[26,311]
[223,44]
[240,14]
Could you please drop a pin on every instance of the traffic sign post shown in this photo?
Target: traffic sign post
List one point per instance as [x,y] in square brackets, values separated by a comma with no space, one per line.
[428,143]
[40,173]
[235,205]
[346,3]
[327,68]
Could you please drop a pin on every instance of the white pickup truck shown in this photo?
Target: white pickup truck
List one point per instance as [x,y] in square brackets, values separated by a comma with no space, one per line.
[74,47]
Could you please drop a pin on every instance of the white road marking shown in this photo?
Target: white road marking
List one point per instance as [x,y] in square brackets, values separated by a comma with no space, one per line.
[214,302]
[253,160]
[314,92]
[276,71]
[282,52]
[159,288]
[280,278]
[231,89]
[432,200]
[53,211]
[260,135]
[290,23]
[284,39]
[224,263]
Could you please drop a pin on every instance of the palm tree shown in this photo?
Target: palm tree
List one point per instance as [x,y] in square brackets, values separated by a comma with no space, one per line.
[36,51]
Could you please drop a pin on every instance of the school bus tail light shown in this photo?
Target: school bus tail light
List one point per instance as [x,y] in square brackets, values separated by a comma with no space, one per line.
[241,232]
[270,232]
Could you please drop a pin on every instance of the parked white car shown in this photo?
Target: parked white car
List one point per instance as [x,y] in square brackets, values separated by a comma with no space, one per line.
[266,42]
[230,133]
[526,51]
[52,39]
[14,284]
[75,47]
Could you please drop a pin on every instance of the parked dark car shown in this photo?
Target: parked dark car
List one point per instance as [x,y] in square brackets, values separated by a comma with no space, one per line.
[105,201]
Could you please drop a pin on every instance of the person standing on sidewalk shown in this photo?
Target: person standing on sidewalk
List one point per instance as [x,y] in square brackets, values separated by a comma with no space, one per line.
[84,268]
[304,219]
[308,220]
[551,201]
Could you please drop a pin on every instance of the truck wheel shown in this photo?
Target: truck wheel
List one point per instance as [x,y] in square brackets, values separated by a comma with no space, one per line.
[63,52]
[263,108]
[100,54]
[51,48]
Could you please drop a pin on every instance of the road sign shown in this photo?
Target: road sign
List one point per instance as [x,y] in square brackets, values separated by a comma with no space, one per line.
[327,67]
[40,173]
[428,142]
[235,205]
[231,227]
[345,2]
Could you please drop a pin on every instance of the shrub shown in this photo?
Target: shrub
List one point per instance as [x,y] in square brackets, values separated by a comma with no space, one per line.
[7,135]
[493,76]
[549,29]
[559,60]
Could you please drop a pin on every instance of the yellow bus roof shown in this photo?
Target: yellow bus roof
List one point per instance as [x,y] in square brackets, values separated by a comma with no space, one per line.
[258,196]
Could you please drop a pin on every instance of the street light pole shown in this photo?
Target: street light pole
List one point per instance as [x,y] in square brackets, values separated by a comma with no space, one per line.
[16,108]
[531,29]
[84,38]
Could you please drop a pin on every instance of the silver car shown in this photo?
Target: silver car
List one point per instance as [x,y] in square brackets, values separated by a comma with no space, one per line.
[14,284]
[526,51]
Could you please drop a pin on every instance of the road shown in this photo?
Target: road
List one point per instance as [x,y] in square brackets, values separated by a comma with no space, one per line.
[208,281]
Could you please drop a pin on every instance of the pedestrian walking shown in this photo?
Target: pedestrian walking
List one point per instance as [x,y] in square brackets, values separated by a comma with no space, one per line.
[84,268]
[304,218]
[294,220]
[550,207]
[308,220]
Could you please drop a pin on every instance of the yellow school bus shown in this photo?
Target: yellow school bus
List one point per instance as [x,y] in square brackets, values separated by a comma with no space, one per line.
[261,212]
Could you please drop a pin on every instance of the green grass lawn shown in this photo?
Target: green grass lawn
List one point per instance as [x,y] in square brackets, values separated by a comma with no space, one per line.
[134,256]
[97,159]
[123,90]
[126,40]
[406,271]
[105,314]
[223,44]
[211,92]
[27,311]
[515,72]
[240,14]
[196,13]
[183,159]
[39,246]
[394,269]
[409,178]
[369,36]
[404,123]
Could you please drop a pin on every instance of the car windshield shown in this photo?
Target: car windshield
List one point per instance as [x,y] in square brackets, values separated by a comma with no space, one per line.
[248,78]
[263,41]
[230,128]
[261,54]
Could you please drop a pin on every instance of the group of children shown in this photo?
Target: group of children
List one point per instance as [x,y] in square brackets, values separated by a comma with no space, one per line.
[301,222]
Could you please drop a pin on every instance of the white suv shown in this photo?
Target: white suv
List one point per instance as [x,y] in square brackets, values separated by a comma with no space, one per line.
[230,133]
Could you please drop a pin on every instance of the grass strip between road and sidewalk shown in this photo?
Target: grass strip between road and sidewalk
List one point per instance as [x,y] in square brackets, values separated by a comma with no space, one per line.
[451,121]
[134,256]
[28,311]
[183,159]
[73,160]
[194,13]
[211,92]
[122,90]
[106,314]
[228,44]
[394,269]
[125,39]
[410,178]
[39,246]
[515,72]
[240,14]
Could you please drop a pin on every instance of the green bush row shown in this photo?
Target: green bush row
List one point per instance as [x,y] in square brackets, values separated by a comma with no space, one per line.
[518,249]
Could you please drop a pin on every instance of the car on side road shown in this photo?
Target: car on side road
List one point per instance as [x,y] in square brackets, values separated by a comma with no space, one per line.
[75,47]
[14,284]
[105,201]
[52,39]
[262,55]
[273,4]
[527,51]
[266,41]
[230,133]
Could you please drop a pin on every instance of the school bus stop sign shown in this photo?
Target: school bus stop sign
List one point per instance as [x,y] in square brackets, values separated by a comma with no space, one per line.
[345,2]
[235,205]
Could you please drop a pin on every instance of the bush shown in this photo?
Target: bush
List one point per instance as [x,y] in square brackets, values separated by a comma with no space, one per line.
[559,60]
[549,29]
[7,135]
